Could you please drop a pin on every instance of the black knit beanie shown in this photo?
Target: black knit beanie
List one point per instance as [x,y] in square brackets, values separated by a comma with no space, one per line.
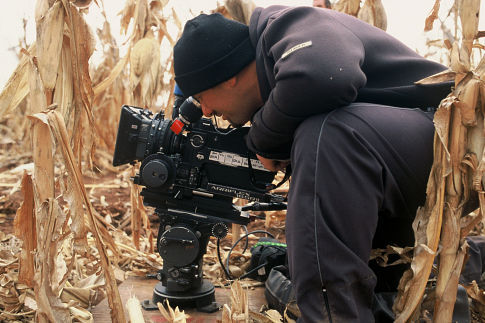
[211,50]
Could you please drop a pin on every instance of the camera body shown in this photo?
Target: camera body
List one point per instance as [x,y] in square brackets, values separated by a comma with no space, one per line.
[191,178]
[198,172]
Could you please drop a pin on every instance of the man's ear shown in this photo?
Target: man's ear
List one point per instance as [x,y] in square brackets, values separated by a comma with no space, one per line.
[231,82]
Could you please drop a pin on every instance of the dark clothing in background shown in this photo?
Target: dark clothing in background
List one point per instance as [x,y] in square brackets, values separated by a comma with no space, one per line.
[310,61]
[360,172]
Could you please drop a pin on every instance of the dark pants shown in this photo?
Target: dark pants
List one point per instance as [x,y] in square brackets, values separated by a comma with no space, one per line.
[359,173]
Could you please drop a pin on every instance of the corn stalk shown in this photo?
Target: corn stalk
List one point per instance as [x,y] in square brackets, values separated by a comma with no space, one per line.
[55,69]
[238,312]
[51,222]
[456,176]
[145,78]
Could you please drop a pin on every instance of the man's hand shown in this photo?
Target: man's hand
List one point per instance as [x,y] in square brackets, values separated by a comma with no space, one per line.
[273,164]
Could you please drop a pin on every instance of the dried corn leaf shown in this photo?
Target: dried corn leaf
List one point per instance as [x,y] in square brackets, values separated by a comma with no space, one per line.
[127,14]
[350,7]
[226,314]
[428,25]
[64,89]
[138,211]
[95,284]
[43,155]
[240,10]
[41,8]
[457,172]
[467,102]
[171,315]
[269,316]
[50,219]
[115,72]
[373,13]
[37,99]
[445,302]
[81,3]
[177,20]
[427,224]
[79,314]
[155,15]
[10,297]
[17,87]
[476,293]
[81,296]
[444,76]
[140,17]
[381,256]
[134,310]
[102,236]
[239,303]
[460,59]
[49,43]
[450,231]
[81,44]
[468,12]
[238,263]
[25,229]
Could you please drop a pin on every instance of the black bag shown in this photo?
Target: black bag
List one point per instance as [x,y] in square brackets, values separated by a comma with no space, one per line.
[265,255]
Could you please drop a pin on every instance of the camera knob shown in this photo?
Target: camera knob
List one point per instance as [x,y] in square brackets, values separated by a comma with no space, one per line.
[219,230]
[155,173]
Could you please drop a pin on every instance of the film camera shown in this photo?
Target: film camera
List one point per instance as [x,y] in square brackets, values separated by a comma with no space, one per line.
[190,173]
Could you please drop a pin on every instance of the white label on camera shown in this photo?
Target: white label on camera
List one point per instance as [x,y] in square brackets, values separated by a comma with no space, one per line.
[234,160]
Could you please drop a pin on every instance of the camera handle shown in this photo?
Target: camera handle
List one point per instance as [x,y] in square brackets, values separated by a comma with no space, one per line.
[266,187]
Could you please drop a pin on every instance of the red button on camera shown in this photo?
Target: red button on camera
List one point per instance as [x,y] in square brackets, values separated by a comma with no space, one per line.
[177,126]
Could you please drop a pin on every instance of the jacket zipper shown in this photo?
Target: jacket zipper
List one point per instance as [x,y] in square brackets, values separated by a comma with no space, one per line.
[327,304]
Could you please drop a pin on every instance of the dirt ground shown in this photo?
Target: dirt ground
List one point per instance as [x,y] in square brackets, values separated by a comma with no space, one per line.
[110,196]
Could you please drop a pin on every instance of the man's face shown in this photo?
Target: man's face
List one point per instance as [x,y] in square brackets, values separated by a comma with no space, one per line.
[321,3]
[225,103]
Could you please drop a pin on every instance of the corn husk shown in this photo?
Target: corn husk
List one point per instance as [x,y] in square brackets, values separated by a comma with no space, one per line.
[240,10]
[172,315]
[145,71]
[350,7]
[469,14]
[238,312]
[134,310]
[373,13]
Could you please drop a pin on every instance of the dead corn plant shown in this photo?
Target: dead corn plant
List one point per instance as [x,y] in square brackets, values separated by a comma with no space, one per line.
[456,179]
[53,228]
[143,69]
[238,312]
[55,70]
[240,10]
[371,11]
[134,310]
[172,315]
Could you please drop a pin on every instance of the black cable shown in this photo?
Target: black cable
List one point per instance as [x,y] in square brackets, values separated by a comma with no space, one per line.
[226,268]
[253,270]
[228,276]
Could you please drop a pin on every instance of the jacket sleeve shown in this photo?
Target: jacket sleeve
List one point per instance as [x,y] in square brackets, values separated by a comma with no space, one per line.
[317,68]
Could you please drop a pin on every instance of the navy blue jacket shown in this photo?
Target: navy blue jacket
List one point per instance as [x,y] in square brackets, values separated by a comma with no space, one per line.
[312,60]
